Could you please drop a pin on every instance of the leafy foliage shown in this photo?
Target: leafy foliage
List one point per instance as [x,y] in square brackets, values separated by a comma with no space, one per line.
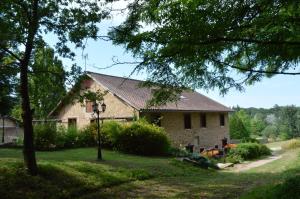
[248,151]
[8,83]
[23,26]
[109,133]
[278,122]
[47,137]
[204,44]
[237,127]
[143,139]
[46,81]
[270,131]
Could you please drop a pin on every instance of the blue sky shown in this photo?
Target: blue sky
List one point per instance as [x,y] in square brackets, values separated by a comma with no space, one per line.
[281,90]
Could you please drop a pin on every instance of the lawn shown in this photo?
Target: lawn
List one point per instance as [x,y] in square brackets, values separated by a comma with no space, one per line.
[76,174]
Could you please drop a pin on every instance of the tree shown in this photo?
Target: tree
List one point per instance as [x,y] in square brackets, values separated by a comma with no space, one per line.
[290,119]
[204,44]
[237,128]
[258,124]
[44,86]
[270,131]
[8,82]
[23,24]
[245,119]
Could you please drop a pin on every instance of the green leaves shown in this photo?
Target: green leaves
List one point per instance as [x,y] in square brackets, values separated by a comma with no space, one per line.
[212,44]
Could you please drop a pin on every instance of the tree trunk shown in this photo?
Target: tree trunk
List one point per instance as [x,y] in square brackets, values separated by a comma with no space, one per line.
[28,150]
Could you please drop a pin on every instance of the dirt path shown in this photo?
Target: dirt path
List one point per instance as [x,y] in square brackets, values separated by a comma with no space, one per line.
[249,165]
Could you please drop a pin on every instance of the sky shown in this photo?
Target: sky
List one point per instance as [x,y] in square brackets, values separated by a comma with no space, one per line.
[280,90]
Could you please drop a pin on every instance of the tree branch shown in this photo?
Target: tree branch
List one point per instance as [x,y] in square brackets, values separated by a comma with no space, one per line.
[257,71]
[11,53]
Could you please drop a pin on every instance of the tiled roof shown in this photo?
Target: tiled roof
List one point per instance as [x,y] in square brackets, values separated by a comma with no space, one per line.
[130,92]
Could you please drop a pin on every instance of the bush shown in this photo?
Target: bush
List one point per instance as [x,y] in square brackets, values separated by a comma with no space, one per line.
[138,137]
[109,133]
[291,144]
[71,138]
[142,138]
[45,136]
[247,151]
[249,140]
[178,152]
[88,136]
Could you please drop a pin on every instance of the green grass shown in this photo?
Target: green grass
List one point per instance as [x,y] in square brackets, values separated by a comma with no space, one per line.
[76,173]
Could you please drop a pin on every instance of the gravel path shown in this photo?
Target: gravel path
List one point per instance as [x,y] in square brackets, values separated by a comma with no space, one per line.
[249,165]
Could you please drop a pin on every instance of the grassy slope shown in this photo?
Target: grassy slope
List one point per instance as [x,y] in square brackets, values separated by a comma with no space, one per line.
[76,174]
[286,167]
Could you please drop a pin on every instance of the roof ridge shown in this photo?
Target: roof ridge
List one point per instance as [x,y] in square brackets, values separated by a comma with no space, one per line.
[125,78]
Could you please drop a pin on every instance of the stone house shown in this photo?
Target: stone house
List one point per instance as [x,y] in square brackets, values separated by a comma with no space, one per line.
[194,119]
[11,129]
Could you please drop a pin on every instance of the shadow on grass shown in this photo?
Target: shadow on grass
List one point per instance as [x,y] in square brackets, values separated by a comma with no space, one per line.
[68,180]
[212,185]
[62,175]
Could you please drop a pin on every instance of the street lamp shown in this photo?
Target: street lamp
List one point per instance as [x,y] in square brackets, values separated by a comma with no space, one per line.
[97,111]
[3,128]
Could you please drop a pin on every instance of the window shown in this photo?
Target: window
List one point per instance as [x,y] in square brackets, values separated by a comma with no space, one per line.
[92,121]
[88,106]
[222,120]
[72,122]
[187,121]
[203,120]
[155,119]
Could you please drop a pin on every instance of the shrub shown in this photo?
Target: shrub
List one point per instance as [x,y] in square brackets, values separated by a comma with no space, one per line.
[247,151]
[88,136]
[109,132]
[249,140]
[71,137]
[142,138]
[234,158]
[178,152]
[60,137]
[45,136]
[291,144]
[20,141]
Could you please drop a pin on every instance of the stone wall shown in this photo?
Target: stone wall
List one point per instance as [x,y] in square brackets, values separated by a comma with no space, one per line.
[115,108]
[173,123]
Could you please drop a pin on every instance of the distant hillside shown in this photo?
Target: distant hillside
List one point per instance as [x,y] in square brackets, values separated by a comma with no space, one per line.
[277,122]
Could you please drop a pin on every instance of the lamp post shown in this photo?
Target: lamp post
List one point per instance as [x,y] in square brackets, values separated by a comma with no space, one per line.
[3,128]
[97,111]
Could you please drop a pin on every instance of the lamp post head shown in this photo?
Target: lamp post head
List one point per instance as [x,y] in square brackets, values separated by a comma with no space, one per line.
[103,106]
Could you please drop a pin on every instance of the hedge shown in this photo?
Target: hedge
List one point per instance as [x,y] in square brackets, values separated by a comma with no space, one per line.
[247,151]
[138,137]
[142,138]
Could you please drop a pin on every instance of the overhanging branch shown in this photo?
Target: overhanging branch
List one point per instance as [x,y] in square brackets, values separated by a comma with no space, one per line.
[10,52]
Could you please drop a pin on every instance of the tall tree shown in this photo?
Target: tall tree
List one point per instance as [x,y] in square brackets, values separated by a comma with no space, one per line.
[211,43]
[290,119]
[8,83]
[44,86]
[26,22]
[237,128]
